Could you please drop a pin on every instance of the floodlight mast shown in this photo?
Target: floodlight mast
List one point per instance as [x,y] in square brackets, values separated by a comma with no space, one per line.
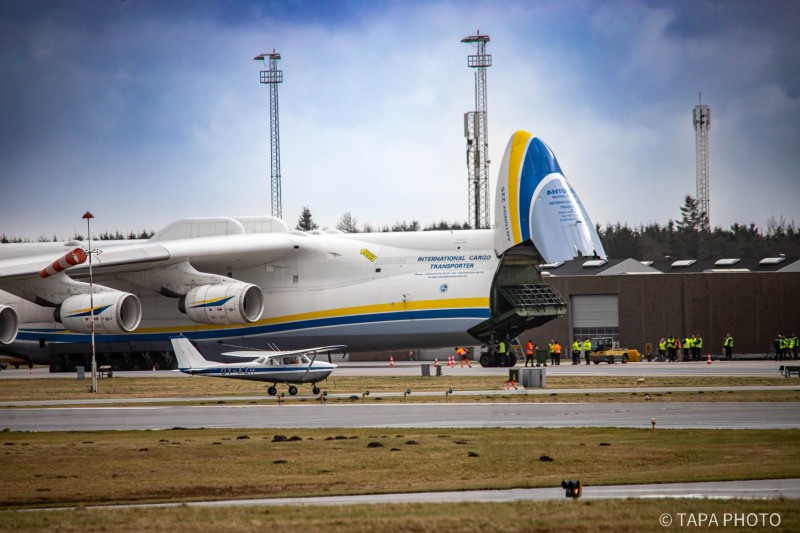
[88,217]
[476,132]
[273,77]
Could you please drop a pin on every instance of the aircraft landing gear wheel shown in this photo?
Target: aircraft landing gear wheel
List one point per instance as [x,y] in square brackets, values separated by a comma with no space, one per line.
[315,390]
[485,360]
[272,391]
[292,390]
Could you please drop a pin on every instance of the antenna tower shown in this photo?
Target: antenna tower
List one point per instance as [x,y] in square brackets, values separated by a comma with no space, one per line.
[273,77]
[476,131]
[702,123]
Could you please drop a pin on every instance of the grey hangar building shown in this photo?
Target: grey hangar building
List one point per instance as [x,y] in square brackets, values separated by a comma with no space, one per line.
[639,302]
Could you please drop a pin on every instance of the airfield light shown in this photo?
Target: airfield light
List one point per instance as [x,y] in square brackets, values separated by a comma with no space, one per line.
[88,216]
[574,488]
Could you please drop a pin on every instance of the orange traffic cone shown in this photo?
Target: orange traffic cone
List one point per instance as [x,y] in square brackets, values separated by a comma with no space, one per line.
[391,360]
[451,360]
[708,361]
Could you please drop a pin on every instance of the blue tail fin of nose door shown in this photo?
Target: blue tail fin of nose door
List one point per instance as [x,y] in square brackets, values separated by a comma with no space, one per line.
[535,202]
[538,219]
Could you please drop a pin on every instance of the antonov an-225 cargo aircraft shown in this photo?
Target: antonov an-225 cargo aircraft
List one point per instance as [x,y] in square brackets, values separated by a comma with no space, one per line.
[252,282]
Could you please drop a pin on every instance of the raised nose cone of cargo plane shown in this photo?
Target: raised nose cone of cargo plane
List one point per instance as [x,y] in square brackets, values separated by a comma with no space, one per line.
[534,202]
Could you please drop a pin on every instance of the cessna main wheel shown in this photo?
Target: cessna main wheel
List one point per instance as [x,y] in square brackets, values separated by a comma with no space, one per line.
[272,391]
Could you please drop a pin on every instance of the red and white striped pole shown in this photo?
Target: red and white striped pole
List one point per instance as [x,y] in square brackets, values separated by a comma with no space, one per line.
[88,216]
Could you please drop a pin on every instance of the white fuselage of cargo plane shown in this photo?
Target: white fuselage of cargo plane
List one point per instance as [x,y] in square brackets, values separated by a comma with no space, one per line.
[250,281]
[367,291]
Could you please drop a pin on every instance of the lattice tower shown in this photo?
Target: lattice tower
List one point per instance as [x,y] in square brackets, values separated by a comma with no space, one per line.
[272,77]
[476,131]
[702,123]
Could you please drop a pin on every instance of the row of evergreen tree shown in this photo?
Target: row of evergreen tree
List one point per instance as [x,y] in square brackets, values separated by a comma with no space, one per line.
[682,239]
[686,238]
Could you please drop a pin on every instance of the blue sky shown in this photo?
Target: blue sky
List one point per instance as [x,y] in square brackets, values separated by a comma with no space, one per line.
[144,112]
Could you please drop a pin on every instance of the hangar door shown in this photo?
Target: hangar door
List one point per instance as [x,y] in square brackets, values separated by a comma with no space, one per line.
[595,315]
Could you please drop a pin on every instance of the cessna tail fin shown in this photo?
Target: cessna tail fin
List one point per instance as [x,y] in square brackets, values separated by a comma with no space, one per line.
[187,355]
[534,202]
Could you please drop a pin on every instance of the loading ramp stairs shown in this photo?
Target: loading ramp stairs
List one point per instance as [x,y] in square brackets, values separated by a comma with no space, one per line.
[517,308]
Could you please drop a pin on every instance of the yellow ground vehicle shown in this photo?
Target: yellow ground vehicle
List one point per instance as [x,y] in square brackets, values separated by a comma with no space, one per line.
[605,351]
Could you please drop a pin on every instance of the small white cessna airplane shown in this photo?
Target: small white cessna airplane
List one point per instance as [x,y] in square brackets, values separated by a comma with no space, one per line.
[274,367]
[253,282]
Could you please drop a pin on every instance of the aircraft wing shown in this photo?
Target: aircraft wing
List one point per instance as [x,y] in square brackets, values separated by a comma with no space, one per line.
[270,355]
[185,260]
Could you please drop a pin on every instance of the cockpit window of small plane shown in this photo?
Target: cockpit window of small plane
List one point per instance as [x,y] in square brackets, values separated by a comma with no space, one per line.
[290,360]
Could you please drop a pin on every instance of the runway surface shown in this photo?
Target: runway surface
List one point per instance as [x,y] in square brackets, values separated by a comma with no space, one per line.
[761,489]
[717,415]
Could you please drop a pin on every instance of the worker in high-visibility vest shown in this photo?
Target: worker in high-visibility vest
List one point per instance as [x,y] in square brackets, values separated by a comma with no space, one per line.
[728,346]
[556,352]
[784,347]
[662,349]
[529,353]
[576,351]
[502,349]
[587,347]
[552,352]
[687,346]
[793,345]
[671,348]
[463,356]
[698,347]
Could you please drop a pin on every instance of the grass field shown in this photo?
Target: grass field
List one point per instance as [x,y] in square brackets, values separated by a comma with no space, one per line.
[90,468]
[82,468]
[620,516]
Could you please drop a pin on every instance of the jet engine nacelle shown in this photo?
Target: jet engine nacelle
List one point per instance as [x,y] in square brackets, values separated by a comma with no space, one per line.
[9,324]
[230,303]
[114,312]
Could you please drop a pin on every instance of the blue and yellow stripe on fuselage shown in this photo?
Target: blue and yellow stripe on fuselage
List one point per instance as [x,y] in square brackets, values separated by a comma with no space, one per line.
[476,309]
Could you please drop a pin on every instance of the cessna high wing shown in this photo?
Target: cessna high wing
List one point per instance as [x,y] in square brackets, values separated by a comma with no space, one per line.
[273,367]
[253,282]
